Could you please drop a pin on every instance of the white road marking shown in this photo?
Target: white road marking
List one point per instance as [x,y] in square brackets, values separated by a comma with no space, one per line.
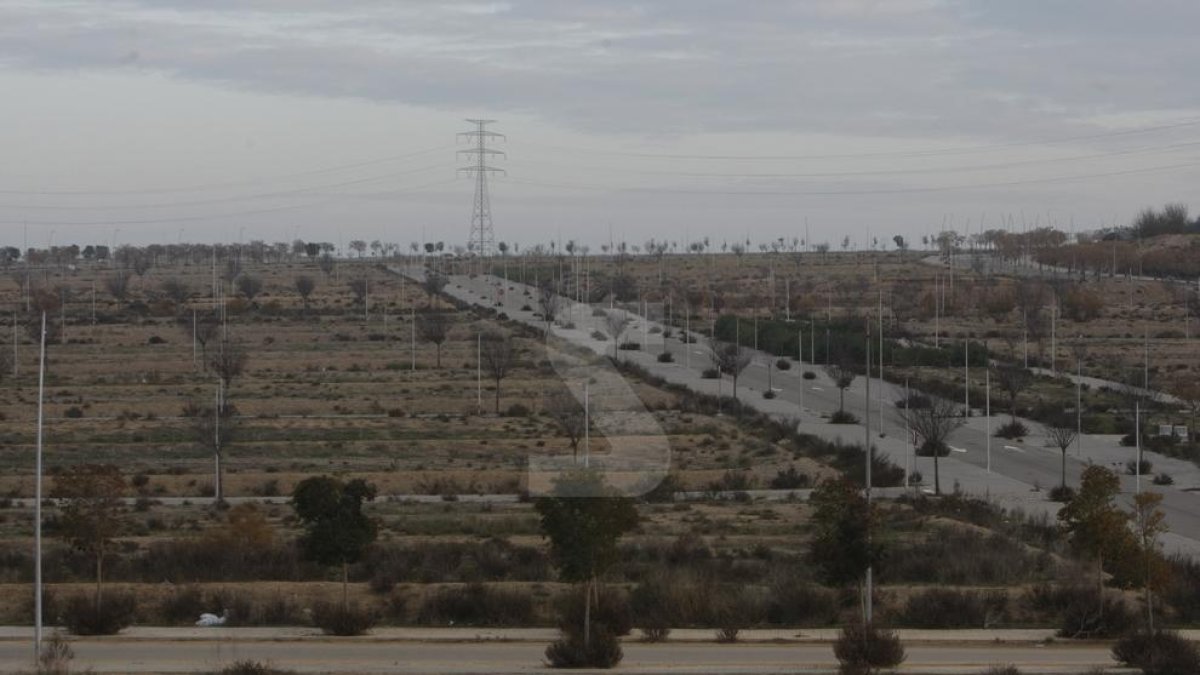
[956,449]
[1013,447]
[817,389]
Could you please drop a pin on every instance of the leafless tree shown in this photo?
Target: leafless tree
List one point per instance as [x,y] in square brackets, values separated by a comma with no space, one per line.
[305,287]
[730,358]
[359,288]
[434,327]
[498,354]
[843,376]
[433,284]
[117,286]
[249,286]
[215,429]
[933,424]
[176,289]
[233,269]
[47,301]
[1012,379]
[617,323]
[550,303]
[326,263]
[1061,432]
[568,416]
[229,362]
[204,326]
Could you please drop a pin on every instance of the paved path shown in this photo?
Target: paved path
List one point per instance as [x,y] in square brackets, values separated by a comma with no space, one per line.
[358,655]
[1020,472]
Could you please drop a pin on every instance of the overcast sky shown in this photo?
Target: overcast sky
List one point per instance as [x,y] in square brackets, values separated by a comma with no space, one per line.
[159,121]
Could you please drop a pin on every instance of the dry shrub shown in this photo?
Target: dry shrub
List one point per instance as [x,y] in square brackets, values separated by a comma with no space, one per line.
[863,650]
[83,617]
[334,618]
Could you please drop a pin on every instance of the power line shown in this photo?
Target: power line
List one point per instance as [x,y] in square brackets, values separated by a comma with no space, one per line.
[225,200]
[851,192]
[881,172]
[219,216]
[233,184]
[880,155]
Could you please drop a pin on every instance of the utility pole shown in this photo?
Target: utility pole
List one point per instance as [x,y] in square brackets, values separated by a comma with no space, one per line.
[987,389]
[482,239]
[37,506]
[868,600]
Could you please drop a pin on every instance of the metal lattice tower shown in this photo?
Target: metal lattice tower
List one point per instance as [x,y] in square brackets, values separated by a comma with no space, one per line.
[482,241]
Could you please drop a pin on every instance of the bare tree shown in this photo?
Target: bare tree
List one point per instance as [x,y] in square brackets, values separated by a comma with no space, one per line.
[204,327]
[117,286]
[730,358]
[433,284]
[176,289]
[550,303]
[215,428]
[933,424]
[569,417]
[434,327]
[497,354]
[617,323]
[249,286]
[49,302]
[229,362]
[326,263]
[305,287]
[843,376]
[233,269]
[359,288]
[1012,380]
[1061,432]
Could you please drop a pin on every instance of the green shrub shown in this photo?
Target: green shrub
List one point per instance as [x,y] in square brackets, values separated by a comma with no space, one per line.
[783,364]
[809,375]
[666,357]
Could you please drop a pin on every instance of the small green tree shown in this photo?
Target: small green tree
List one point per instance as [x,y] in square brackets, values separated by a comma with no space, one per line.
[1149,522]
[1092,521]
[91,512]
[336,531]
[842,548]
[584,519]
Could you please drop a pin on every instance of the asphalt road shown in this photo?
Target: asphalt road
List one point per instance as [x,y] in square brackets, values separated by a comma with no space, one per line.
[494,658]
[1019,472]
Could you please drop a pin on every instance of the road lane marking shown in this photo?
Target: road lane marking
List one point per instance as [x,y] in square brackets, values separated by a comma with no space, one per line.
[956,449]
[1013,447]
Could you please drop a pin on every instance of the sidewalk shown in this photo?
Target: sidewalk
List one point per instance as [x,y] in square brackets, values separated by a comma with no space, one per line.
[538,635]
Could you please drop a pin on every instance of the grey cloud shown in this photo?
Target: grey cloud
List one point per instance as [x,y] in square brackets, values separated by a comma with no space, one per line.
[908,67]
